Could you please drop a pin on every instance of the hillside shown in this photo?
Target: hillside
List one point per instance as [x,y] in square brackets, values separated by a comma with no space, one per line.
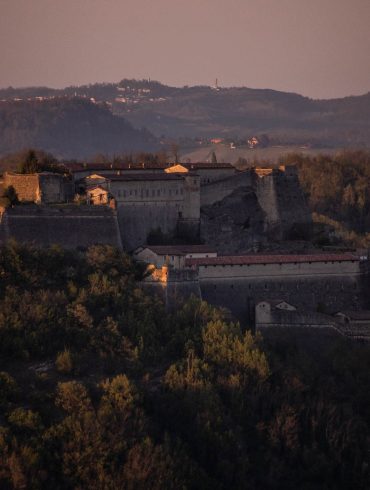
[68,128]
[237,112]
[102,388]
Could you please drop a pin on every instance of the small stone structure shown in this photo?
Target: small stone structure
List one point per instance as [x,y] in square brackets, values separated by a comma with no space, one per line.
[172,255]
[45,187]
[272,318]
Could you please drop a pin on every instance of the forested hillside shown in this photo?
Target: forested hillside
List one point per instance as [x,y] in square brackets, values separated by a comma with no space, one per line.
[338,191]
[69,128]
[100,387]
[237,112]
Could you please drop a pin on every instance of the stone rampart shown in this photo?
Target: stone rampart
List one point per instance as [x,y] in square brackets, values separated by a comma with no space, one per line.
[137,221]
[45,187]
[70,226]
[325,285]
[173,286]
[26,185]
[281,197]
[213,192]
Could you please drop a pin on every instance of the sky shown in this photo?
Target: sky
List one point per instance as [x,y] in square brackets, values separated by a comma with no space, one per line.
[318,48]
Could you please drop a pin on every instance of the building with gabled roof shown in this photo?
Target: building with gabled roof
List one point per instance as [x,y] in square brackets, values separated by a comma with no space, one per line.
[172,255]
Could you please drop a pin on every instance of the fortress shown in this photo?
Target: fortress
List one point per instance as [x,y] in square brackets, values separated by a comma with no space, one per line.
[215,204]
[222,217]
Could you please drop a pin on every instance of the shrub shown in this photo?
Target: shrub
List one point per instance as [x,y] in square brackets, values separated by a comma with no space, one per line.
[64,362]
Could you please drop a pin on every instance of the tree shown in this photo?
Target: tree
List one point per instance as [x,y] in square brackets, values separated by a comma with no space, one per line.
[11,194]
[174,152]
[30,165]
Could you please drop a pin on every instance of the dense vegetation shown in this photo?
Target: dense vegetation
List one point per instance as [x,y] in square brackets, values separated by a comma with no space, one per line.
[101,388]
[68,127]
[338,190]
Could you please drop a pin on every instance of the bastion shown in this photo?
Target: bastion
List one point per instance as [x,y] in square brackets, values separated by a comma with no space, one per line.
[70,226]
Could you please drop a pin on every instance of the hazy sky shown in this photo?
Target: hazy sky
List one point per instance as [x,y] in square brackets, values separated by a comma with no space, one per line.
[320,48]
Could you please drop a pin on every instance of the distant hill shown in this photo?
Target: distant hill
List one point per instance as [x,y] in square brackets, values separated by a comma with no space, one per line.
[236,112]
[68,128]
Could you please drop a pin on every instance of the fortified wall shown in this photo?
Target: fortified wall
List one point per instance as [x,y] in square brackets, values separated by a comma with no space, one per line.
[244,211]
[310,282]
[282,199]
[234,212]
[169,202]
[70,226]
[217,190]
[173,286]
[45,187]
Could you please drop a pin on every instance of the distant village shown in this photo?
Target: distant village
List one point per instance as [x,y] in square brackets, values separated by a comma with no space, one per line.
[206,229]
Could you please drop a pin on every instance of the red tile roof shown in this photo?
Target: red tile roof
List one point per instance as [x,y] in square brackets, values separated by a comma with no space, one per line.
[179,249]
[270,259]
[143,176]
[80,167]
[207,165]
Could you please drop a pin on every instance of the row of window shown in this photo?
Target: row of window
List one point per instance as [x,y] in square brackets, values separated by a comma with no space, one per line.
[281,264]
[147,193]
[281,286]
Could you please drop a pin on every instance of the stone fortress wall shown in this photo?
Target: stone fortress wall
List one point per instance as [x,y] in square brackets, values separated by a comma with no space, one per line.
[281,197]
[232,210]
[146,203]
[229,209]
[26,185]
[70,226]
[45,187]
[216,190]
[331,284]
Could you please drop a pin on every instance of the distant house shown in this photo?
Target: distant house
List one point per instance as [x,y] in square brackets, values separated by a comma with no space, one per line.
[271,315]
[98,195]
[173,255]
[356,324]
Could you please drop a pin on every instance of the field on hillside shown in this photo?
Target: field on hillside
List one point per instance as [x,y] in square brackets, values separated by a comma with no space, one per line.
[263,155]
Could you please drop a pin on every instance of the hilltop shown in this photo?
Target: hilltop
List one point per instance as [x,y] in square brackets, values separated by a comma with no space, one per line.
[238,112]
[68,127]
